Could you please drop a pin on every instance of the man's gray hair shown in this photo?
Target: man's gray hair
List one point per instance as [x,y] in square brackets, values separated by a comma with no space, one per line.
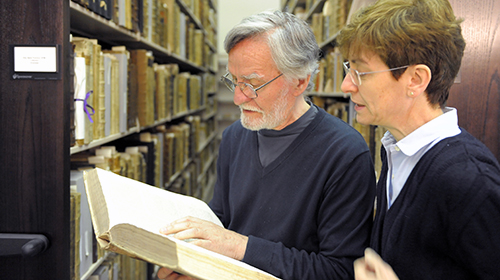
[293,46]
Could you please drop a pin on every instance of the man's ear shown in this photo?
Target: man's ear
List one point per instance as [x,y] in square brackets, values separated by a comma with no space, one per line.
[301,85]
[419,80]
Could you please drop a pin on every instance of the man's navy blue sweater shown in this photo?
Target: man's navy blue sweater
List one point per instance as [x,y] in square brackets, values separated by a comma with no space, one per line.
[308,214]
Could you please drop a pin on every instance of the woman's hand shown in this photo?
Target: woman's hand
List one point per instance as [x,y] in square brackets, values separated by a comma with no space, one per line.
[372,267]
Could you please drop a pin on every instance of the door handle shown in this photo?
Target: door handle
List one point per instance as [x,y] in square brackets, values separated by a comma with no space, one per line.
[26,245]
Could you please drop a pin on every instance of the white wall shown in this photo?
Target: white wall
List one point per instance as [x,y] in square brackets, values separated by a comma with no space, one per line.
[231,12]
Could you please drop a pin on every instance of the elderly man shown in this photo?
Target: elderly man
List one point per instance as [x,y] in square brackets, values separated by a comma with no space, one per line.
[295,185]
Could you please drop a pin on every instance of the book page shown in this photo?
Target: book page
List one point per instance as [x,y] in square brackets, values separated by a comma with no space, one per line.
[145,206]
[183,257]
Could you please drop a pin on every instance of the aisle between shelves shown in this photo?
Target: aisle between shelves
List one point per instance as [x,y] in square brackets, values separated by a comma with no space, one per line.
[143,108]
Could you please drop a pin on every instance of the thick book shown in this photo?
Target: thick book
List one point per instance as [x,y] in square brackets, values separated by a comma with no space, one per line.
[84,47]
[162,24]
[122,55]
[115,95]
[173,26]
[132,98]
[146,84]
[99,94]
[160,94]
[125,13]
[107,93]
[79,98]
[83,254]
[71,67]
[127,216]
[136,15]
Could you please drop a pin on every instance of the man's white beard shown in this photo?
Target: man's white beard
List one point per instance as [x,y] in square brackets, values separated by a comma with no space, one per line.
[269,120]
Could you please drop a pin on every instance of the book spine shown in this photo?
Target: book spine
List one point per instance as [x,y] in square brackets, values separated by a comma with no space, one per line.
[162,23]
[160,93]
[115,96]
[139,58]
[72,137]
[132,93]
[107,94]
[150,90]
[99,95]
[80,95]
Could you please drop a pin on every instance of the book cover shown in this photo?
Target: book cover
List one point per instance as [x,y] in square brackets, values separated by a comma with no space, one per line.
[144,72]
[107,94]
[122,55]
[74,237]
[136,15]
[79,97]
[106,8]
[180,103]
[195,95]
[115,95]
[154,156]
[172,22]
[180,48]
[197,51]
[84,253]
[94,6]
[146,15]
[125,13]
[160,96]
[189,40]
[132,98]
[162,24]
[84,47]
[127,216]
[172,89]
[99,94]
[71,60]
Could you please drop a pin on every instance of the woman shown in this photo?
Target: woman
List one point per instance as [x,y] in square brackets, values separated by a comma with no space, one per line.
[438,196]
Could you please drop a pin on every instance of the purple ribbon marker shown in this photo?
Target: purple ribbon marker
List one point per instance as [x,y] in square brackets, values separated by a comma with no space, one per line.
[86,105]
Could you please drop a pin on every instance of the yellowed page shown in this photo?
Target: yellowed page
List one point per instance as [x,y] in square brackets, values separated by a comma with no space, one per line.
[181,256]
[151,208]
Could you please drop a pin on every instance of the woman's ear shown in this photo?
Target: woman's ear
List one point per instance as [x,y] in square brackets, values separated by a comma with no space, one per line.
[420,78]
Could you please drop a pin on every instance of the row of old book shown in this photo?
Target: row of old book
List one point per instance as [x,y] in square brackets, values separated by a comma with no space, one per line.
[84,250]
[164,23]
[119,89]
[335,107]
[331,73]
[330,20]
[159,156]
[325,26]
[179,158]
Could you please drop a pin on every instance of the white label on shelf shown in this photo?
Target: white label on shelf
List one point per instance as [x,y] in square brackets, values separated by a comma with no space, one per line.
[35,59]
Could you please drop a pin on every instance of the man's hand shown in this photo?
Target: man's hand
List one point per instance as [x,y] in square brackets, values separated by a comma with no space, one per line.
[372,267]
[209,236]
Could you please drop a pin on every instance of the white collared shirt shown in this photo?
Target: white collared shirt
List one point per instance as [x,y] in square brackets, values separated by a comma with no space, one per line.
[402,156]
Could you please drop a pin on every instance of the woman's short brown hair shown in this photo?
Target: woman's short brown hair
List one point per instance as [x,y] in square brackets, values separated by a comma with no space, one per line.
[409,32]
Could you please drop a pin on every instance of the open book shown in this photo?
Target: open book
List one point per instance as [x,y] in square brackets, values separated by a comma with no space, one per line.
[127,216]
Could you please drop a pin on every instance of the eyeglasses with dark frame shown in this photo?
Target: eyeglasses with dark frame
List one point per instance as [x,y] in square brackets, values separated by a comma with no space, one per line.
[247,89]
[356,75]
